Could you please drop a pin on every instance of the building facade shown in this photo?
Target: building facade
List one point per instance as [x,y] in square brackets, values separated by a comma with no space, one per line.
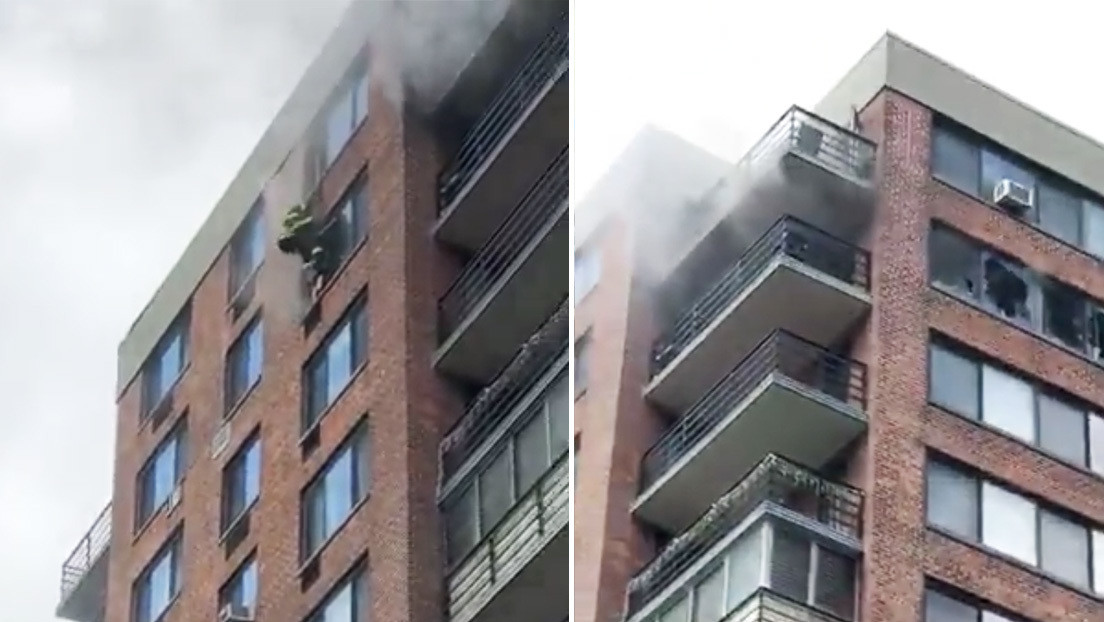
[348,400]
[866,382]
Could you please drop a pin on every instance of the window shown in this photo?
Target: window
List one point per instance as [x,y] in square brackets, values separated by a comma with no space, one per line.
[244,363]
[165,364]
[161,473]
[1008,523]
[954,262]
[331,496]
[955,160]
[939,607]
[588,268]
[974,165]
[709,605]
[1066,547]
[241,589]
[581,363]
[344,115]
[1060,212]
[348,223]
[507,475]
[159,582]
[1037,415]
[331,368]
[745,568]
[1064,314]
[952,500]
[247,249]
[1008,403]
[241,481]
[347,602]
[954,382]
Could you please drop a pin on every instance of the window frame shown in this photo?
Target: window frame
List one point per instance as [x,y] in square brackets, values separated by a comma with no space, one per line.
[1041,506]
[178,436]
[240,458]
[234,396]
[180,328]
[356,578]
[589,256]
[252,227]
[345,93]
[356,314]
[233,582]
[173,549]
[1040,392]
[965,599]
[580,348]
[358,443]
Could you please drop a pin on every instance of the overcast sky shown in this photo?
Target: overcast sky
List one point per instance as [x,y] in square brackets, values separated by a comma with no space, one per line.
[121,124]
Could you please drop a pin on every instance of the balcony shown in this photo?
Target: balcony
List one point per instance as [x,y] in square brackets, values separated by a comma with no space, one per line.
[785,385]
[805,166]
[84,574]
[502,155]
[511,285]
[522,563]
[544,353]
[766,536]
[795,277]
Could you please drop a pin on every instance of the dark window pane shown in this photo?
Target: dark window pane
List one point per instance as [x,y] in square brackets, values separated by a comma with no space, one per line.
[461,525]
[952,501]
[532,451]
[789,572]
[709,598]
[954,262]
[1065,548]
[1010,290]
[1062,429]
[1064,313]
[835,583]
[495,491]
[940,608]
[955,160]
[1060,212]
[996,167]
[954,382]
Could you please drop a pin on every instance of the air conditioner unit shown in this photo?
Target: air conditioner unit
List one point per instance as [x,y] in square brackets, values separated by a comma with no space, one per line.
[236,613]
[1013,196]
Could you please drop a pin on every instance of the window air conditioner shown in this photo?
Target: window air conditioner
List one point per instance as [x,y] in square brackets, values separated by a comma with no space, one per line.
[1012,196]
[236,613]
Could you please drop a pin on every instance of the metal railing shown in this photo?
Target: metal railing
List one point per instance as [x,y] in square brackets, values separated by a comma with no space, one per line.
[533,360]
[780,353]
[88,551]
[775,479]
[788,237]
[829,145]
[546,63]
[511,544]
[494,259]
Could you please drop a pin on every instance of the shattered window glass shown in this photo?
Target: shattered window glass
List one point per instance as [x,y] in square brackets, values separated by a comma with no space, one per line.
[1064,314]
[1009,289]
[954,262]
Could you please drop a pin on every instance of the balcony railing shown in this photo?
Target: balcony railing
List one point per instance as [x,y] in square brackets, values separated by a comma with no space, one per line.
[496,256]
[511,544]
[829,145]
[534,359]
[766,605]
[546,63]
[88,551]
[788,237]
[775,479]
[780,353]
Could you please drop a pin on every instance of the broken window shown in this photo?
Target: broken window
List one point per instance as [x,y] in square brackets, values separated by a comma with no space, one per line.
[1009,289]
[954,262]
[1064,314]
[1096,331]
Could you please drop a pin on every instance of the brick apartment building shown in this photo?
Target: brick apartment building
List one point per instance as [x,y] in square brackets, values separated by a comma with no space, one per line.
[358,410]
[866,383]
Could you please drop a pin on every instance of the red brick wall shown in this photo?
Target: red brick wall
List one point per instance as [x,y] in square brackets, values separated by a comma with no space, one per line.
[899,550]
[408,409]
[617,427]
